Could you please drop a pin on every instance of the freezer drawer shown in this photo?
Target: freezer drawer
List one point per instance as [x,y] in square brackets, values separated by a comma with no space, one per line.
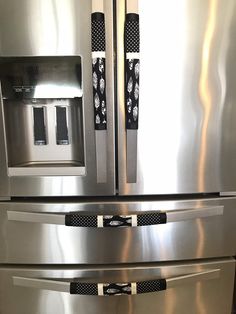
[190,288]
[118,232]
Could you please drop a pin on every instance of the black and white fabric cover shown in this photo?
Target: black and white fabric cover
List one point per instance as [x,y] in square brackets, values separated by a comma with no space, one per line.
[99,70]
[115,289]
[115,221]
[132,66]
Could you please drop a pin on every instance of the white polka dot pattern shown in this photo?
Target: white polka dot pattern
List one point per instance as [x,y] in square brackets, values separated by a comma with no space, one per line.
[98,32]
[151,286]
[132,36]
[83,288]
[151,219]
[113,289]
[78,220]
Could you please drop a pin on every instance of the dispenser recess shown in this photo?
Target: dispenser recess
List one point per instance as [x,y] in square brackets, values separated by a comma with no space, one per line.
[43,111]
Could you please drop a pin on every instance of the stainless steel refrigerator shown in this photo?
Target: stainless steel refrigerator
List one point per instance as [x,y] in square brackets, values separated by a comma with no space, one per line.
[117,175]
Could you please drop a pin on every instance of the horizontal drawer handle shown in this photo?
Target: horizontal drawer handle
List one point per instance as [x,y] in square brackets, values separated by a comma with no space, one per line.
[75,219]
[114,289]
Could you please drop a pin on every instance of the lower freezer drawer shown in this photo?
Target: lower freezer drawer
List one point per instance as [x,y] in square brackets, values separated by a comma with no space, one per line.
[190,288]
[116,232]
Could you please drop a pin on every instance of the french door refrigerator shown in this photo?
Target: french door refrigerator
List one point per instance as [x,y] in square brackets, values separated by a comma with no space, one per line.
[117,135]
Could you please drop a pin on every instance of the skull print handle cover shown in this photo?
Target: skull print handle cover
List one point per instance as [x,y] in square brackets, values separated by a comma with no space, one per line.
[99,87]
[132,46]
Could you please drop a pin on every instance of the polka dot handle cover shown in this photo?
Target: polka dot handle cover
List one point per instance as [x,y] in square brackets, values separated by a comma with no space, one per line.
[132,46]
[99,70]
[115,221]
[115,289]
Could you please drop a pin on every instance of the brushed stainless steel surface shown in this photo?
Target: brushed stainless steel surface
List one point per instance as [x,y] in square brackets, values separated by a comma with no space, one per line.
[49,28]
[186,136]
[58,285]
[195,214]
[132,6]
[196,277]
[54,219]
[101,155]
[42,284]
[131,144]
[59,219]
[198,297]
[50,242]
[42,77]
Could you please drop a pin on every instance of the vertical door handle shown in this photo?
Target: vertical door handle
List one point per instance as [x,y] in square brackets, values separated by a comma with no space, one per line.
[99,87]
[132,73]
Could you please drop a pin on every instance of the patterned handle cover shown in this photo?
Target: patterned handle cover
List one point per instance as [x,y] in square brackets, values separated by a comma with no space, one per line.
[78,220]
[132,65]
[114,289]
[99,70]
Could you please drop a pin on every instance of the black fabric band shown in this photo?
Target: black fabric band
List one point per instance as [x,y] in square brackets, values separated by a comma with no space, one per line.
[152,219]
[132,17]
[76,220]
[98,32]
[151,286]
[132,34]
[98,16]
[83,288]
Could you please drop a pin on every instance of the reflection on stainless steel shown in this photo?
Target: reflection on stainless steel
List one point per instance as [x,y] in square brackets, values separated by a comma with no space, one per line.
[201,238]
[186,98]
[46,30]
[35,225]
[201,308]
[205,88]
[14,299]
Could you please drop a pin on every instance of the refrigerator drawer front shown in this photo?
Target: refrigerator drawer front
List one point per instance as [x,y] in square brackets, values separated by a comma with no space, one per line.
[122,232]
[190,288]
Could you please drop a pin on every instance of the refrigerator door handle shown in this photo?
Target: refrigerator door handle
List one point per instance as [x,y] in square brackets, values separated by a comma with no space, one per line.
[75,219]
[99,87]
[132,71]
[114,289]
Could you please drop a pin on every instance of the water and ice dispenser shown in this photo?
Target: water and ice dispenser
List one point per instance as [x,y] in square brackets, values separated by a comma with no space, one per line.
[42,102]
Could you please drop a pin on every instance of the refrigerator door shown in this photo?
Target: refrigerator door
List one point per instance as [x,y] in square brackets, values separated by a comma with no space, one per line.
[57,98]
[176,122]
[190,288]
[118,232]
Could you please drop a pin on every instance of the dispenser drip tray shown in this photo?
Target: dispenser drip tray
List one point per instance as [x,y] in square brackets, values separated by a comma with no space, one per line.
[48,169]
